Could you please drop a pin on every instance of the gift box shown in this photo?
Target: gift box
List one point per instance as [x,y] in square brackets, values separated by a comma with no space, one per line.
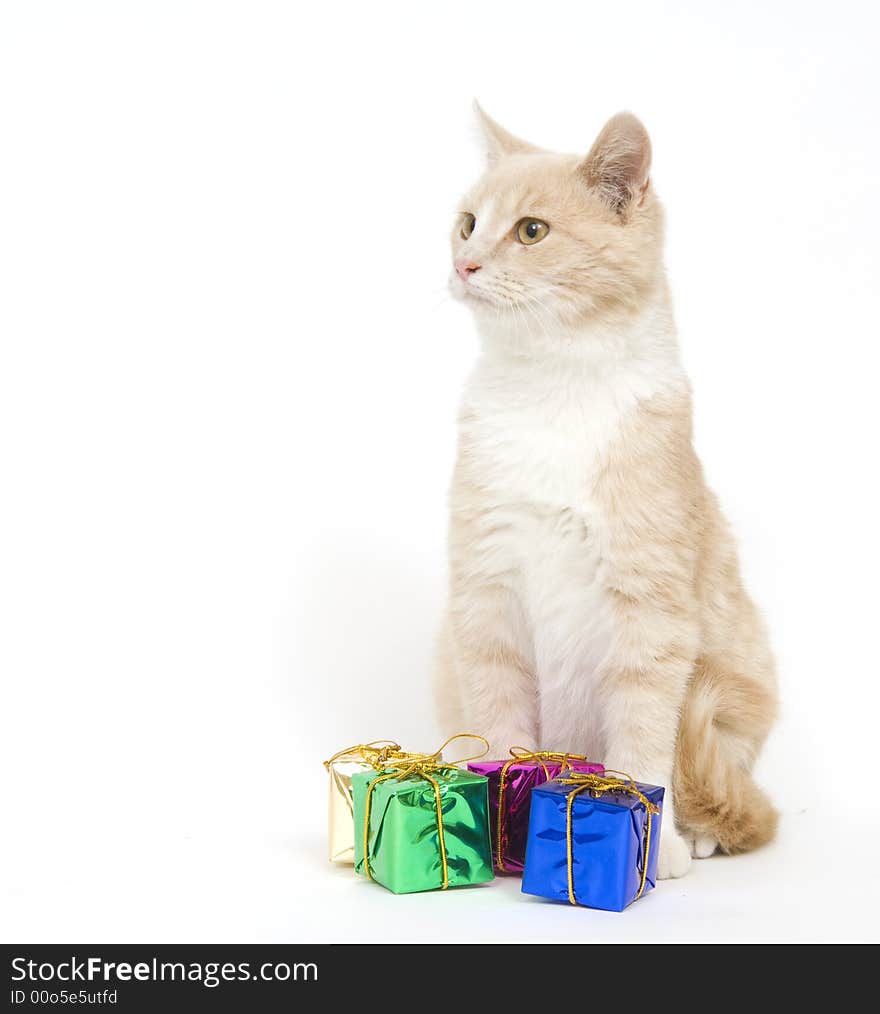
[593,840]
[340,814]
[511,783]
[422,827]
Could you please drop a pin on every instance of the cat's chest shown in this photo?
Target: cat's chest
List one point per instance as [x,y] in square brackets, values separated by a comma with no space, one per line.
[541,443]
[536,452]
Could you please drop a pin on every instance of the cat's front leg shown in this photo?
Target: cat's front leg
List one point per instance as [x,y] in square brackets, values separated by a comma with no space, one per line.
[495,676]
[642,693]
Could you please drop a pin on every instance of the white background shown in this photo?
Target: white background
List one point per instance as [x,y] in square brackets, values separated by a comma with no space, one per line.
[227,396]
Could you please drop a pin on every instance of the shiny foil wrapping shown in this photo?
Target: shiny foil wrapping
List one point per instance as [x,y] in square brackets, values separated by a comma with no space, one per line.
[340,819]
[403,836]
[608,846]
[520,779]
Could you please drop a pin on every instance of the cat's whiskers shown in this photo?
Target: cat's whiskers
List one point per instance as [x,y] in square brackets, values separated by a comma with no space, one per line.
[541,311]
[532,307]
[445,298]
[543,315]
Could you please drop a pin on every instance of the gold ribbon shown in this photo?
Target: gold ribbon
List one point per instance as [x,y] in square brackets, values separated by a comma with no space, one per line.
[519,754]
[374,753]
[424,765]
[597,784]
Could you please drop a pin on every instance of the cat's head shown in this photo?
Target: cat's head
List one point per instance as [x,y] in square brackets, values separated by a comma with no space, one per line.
[545,240]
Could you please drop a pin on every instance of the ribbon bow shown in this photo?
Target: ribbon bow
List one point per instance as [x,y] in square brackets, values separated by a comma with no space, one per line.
[598,784]
[423,765]
[519,754]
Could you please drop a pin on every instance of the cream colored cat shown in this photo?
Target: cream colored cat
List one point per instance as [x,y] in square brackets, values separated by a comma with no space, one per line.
[595,600]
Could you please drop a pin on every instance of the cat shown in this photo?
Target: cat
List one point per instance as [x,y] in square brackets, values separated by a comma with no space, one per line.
[595,600]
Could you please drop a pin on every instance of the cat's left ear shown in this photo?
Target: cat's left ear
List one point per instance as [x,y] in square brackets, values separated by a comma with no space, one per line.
[500,142]
[619,162]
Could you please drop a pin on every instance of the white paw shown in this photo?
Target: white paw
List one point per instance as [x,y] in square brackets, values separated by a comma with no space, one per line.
[675,856]
[702,845]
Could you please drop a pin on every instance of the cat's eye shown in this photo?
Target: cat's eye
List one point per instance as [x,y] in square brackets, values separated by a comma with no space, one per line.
[467,225]
[531,230]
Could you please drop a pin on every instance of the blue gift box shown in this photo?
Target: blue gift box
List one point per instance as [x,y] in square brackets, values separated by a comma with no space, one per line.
[588,840]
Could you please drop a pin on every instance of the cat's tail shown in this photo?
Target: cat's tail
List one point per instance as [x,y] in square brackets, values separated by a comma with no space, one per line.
[726,718]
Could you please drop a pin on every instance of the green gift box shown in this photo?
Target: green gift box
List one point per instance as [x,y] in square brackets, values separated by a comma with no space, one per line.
[423,828]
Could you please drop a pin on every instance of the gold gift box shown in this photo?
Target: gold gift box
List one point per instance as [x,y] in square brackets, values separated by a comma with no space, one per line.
[340,811]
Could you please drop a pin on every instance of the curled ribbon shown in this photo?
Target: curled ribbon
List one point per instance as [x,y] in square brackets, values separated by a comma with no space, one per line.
[423,765]
[518,755]
[599,784]
[374,753]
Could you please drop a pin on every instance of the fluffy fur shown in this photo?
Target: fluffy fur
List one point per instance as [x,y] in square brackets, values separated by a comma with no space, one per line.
[595,602]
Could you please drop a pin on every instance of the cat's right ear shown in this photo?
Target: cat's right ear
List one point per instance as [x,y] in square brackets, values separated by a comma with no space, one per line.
[498,141]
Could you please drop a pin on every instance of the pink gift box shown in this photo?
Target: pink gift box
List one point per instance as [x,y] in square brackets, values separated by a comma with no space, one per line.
[510,792]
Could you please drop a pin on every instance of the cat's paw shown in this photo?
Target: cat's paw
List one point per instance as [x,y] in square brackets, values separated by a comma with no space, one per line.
[702,845]
[675,856]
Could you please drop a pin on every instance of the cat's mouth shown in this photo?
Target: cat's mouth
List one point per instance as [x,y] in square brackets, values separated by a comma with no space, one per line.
[470,289]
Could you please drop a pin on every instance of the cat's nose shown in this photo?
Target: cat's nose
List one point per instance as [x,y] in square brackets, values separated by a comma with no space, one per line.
[465,269]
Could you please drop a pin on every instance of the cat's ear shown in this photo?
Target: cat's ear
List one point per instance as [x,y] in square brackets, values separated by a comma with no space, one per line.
[619,162]
[498,141]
